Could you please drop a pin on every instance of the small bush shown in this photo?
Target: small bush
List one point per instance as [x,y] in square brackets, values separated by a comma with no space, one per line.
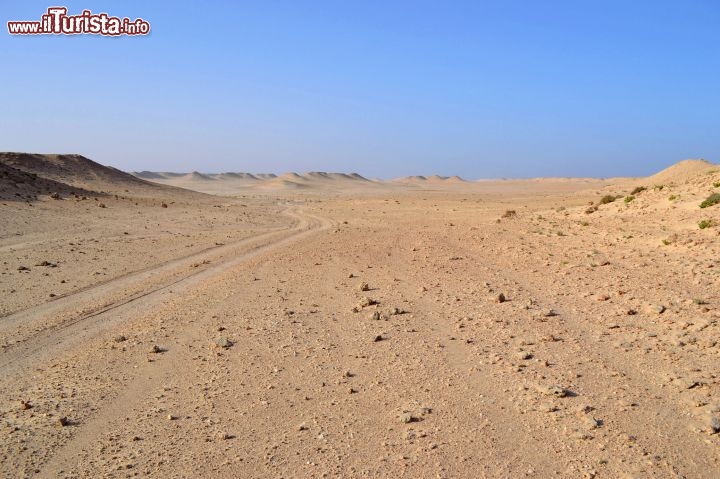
[711,200]
[628,199]
[716,184]
[607,199]
[509,214]
[658,187]
[705,224]
[637,190]
[673,197]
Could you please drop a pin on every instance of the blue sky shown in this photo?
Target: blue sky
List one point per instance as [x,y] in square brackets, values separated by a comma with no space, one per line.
[384,88]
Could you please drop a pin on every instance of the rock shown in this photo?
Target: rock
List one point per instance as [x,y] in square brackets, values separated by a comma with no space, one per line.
[23,268]
[302,427]
[657,308]
[364,287]
[556,391]
[407,418]
[170,417]
[524,355]
[119,339]
[224,343]
[500,298]
[157,349]
[378,338]
[25,405]
[376,315]
[549,313]
[55,195]
[365,302]
[714,424]
[63,421]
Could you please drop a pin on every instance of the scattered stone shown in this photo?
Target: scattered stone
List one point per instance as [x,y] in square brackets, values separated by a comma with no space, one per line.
[549,313]
[631,312]
[55,195]
[223,436]
[23,268]
[63,421]
[397,311]
[157,349]
[501,298]
[25,405]
[102,205]
[170,417]
[163,205]
[302,427]
[378,338]
[524,355]
[119,339]
[364,287]
[376,315]
[224,343]
[46,263]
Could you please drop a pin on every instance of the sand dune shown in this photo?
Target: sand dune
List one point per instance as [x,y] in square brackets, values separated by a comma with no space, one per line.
[74,170]
[682,171]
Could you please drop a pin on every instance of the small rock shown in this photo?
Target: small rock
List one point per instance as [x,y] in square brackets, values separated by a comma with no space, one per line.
[376,315]
[549,313]
[224,343]
[119,339]
[657,308]
[23,268]
[55,195]
[523,355]
[378,338]
[556,391]
[407,418]
[157,349]
[365,301]
[364,287]
[63,421]
[170,417]
[501,298]
[714,425]
[25,405]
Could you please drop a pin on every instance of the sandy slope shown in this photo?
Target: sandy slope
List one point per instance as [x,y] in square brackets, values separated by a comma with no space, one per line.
[230,337]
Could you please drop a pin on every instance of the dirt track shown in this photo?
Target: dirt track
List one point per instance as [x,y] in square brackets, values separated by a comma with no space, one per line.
[261,357]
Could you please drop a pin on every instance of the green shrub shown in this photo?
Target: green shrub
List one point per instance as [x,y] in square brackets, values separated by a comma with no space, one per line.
[628,199]
[637,190]
[673,197]
[705,224]
[716,184]
[711,200]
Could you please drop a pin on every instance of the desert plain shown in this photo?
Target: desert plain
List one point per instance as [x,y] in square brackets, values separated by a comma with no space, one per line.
[328,325]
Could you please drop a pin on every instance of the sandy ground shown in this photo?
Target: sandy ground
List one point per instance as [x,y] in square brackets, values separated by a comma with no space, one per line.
[415,328]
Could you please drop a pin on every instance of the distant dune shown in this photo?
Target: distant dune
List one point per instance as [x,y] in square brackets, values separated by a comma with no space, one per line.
[682,171]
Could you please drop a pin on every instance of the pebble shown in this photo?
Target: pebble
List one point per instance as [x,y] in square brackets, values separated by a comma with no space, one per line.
[224,343]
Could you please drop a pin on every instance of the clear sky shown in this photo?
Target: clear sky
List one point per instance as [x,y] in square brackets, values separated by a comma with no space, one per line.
[385,88]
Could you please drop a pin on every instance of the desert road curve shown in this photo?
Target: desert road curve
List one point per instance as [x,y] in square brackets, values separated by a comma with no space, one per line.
[82,314]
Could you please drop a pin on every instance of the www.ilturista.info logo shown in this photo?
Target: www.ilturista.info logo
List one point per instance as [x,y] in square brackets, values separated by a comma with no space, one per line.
[58,22]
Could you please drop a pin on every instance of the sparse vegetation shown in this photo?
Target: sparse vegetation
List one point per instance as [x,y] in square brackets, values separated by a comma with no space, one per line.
[637,190]
[509,214]
[716,184]
[673,197]
[711,200]
[705,224]
[658,187]
[607,199]
[628,199]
